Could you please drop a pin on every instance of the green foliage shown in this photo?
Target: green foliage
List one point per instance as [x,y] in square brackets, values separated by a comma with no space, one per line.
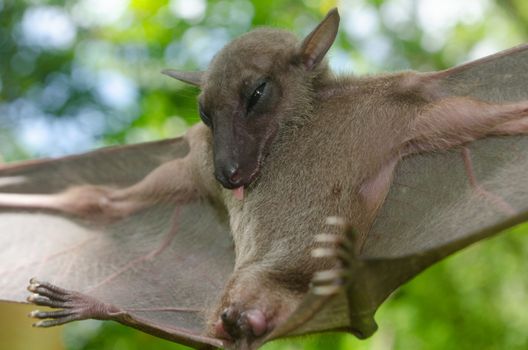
[101,85]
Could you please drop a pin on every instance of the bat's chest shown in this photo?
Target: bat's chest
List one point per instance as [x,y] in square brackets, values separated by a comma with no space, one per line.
[297,190]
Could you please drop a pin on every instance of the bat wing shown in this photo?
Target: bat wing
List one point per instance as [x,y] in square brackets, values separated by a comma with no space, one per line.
[438,204]
[158,269]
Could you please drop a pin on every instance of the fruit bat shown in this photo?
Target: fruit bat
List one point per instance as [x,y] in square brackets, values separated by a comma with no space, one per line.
[298,205]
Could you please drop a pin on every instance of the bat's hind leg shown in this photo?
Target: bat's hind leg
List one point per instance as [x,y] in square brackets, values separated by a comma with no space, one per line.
[73,306]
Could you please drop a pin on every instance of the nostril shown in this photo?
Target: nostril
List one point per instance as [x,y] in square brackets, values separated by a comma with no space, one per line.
[229,175]
[231,172]
[234,176]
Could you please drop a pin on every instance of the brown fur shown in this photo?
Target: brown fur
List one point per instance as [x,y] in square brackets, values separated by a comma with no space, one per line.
[321,146]
[339,140]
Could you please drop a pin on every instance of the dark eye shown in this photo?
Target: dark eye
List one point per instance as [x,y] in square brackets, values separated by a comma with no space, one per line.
[205,118]
[259,91]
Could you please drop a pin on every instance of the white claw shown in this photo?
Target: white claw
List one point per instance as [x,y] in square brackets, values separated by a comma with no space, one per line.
[32,297]
[33,313]
[323,253]
[335,221]
[326,290]
[327,275]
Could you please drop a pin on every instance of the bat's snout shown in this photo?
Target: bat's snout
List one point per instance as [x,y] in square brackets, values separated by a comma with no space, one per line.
[229,175]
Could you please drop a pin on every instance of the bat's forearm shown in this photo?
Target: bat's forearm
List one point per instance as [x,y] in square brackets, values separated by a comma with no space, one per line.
[454,121]
[169,183]
[83,201]
[173,182]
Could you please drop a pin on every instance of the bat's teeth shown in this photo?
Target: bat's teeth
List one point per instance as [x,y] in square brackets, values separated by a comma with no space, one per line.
[328,238]
[33,313]
[335,221]
[326,290]
[323,253]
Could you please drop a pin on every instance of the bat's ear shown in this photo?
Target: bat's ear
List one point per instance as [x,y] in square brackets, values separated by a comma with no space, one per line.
[317,43]
[193,78]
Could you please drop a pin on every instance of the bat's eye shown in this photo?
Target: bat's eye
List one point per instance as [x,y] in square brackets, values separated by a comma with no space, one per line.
[255,97]
[205,118]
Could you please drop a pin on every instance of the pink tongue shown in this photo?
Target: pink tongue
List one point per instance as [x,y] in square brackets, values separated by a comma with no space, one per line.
[239,193]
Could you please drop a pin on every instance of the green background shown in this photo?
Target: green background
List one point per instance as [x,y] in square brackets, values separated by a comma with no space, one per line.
[80,74]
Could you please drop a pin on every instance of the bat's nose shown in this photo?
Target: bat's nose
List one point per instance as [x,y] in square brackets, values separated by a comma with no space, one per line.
[229,176]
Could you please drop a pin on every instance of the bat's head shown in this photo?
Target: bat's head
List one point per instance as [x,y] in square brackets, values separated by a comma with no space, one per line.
[255,87]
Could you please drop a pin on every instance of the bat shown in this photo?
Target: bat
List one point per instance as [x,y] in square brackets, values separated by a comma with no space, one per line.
[298,205]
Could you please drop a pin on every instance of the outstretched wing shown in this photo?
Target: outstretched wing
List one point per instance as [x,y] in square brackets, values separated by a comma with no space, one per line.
[438,204]
[157,269]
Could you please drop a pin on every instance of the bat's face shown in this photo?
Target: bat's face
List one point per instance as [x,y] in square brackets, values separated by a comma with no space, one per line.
[251,90]
[255,87]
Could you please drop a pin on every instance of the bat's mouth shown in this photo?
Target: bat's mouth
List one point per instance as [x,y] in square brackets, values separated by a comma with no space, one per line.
[239,178]
[238,169]
[255,173]
[238,192]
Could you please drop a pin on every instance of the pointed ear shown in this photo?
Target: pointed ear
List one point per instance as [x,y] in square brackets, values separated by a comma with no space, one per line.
[317,43]
[193,78]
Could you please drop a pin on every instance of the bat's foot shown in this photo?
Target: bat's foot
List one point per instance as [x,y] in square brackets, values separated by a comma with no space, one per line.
[73,306]
[340,248]
[346,276]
